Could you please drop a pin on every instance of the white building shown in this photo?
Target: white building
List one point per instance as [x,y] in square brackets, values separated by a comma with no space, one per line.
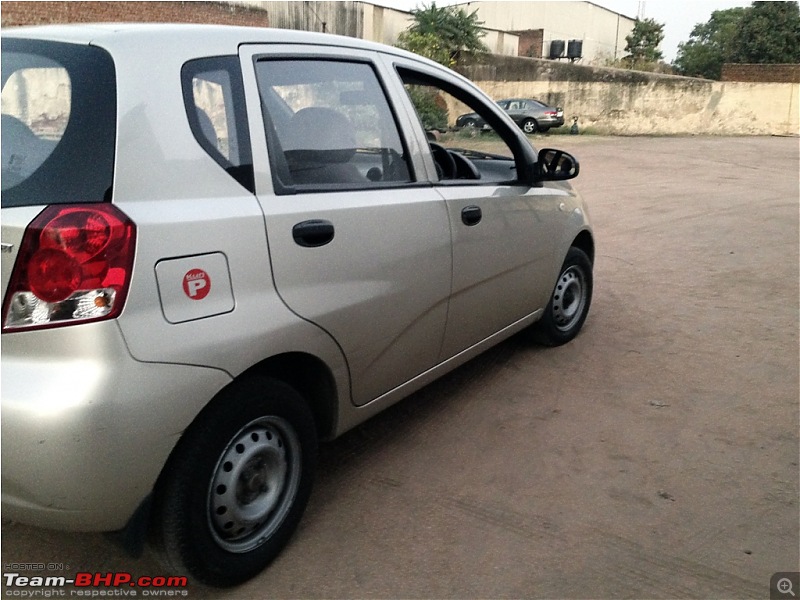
[512,27]
[601,31]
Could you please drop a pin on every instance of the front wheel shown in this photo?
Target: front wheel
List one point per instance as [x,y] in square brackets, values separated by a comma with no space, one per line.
[569,303]
[237,484]
[529,126]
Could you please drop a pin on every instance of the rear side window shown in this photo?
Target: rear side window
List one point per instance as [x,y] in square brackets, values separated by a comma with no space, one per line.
[329,126]
[213,93]
[58,123]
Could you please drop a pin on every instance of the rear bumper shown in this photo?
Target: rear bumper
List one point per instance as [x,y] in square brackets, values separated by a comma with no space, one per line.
[552,122]
[86,429]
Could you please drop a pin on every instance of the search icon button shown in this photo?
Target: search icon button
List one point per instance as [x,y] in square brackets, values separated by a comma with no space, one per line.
[783,586]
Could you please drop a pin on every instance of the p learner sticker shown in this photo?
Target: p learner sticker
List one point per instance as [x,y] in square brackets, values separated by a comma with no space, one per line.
[196,284]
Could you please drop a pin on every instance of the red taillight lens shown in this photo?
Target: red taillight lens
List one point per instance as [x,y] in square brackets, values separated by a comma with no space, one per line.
[53,275]
[74,265]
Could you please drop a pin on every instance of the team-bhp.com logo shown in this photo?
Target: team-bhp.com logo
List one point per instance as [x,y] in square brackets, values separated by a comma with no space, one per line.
[94,585]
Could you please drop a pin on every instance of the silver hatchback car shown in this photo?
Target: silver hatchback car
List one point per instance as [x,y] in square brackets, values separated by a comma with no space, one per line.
[221,245]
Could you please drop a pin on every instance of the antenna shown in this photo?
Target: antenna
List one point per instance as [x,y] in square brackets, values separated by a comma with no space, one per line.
[640,13]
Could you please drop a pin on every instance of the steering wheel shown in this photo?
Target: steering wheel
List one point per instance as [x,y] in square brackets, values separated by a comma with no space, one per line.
[465,168]
[444,161]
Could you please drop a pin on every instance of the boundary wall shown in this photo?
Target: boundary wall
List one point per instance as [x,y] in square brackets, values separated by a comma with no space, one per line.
[618,101]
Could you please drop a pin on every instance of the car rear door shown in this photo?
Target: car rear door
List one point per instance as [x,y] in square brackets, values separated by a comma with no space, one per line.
[359,243]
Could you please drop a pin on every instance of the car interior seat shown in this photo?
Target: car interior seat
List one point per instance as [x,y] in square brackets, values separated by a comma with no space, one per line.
[320,144]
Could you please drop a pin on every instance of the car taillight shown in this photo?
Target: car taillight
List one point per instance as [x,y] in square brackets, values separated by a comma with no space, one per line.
[74,265]
[551,113]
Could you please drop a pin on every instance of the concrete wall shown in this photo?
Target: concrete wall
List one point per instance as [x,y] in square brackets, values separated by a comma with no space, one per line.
[382,24]
[603,31]
[342,18]
[635,103]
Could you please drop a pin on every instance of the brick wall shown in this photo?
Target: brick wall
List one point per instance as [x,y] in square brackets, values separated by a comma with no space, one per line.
[41,13]
[530,42]
[761,73]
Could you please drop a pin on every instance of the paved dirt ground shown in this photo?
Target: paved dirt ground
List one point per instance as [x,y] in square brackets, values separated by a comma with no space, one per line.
[656,456]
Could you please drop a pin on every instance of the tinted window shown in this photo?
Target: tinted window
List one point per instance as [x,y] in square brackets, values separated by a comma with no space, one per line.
[58,123]
[329,126]
[214,97]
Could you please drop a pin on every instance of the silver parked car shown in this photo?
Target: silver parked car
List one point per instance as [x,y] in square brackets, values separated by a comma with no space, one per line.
[221,245]
[531,115]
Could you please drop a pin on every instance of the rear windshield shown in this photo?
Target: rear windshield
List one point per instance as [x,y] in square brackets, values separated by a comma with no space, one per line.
[58,123]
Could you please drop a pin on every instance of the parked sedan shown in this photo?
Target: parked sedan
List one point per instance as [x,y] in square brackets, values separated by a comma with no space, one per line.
[215,256]
[531,115]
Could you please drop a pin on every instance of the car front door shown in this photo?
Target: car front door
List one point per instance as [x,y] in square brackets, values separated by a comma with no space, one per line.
[359,243]
[503,228]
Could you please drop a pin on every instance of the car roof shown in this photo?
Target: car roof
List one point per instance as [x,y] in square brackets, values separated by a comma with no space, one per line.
[190,39]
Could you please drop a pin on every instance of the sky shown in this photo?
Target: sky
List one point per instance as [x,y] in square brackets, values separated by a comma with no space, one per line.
[678,16]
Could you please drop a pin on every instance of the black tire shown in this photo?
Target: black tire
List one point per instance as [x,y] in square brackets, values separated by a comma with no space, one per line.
[237,484]
[529,126]
[569,303]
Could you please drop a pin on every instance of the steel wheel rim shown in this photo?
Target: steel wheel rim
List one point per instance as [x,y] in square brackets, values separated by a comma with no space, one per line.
[529,126]
[254,484]
[569,298]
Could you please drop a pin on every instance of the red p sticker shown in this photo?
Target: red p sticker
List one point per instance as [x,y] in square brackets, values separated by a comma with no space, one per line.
[196,284]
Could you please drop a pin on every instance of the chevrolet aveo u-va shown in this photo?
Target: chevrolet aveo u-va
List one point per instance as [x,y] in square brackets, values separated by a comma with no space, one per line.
[221,245]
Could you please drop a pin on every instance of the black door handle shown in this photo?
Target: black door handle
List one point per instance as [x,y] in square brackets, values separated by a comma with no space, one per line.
[313,233]
[471,215]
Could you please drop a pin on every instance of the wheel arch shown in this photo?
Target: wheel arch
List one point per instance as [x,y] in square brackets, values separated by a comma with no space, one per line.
[312,379]
[585,242]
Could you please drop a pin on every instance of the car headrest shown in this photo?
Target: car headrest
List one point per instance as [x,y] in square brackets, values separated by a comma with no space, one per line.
[319,135]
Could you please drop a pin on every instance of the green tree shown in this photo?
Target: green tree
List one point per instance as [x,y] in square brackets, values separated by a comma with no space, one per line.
[710,45]
[769,32]
[765,32]
[643,41]
[443,33]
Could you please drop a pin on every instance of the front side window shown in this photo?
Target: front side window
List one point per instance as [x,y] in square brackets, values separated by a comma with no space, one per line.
[214,97]
[464,148]
[329,126]
[58,123]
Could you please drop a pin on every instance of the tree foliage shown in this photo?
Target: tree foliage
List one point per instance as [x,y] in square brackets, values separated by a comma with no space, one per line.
[643,42]
[769,32]
[765,32]
[710,45]
[443,33]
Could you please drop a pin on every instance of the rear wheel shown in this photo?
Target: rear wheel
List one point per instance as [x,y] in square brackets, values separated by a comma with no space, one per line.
[569,302]
[237,484]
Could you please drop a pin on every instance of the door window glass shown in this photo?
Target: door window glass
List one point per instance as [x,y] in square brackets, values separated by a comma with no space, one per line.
[464,147]
[329,125]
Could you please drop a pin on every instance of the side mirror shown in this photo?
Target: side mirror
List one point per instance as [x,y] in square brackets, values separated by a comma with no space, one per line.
[557,165]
